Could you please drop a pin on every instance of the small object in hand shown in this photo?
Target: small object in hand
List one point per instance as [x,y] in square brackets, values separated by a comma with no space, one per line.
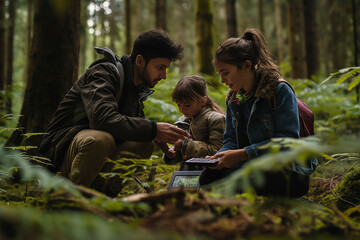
[206,162]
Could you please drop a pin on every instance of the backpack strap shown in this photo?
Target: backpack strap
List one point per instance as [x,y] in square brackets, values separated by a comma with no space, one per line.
[284,81]
[116,60]
[272,101]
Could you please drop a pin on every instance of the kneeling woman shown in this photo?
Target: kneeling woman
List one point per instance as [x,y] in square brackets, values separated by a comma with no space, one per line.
[246,67]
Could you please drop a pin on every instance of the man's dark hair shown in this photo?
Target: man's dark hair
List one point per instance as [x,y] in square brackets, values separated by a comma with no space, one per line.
[156,44]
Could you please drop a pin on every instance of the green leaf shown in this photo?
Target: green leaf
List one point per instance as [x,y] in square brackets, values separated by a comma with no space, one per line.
[23,148]
[345,76]
[355,82]
[27,135]
[331,76]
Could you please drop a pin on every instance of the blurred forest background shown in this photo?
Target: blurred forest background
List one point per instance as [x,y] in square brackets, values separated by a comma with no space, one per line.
[45,45]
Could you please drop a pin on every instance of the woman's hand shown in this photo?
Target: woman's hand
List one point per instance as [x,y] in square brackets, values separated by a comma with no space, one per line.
[229,158]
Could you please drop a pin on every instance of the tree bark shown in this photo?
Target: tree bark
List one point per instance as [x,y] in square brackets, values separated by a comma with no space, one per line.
[84,38]
[261,15]
[295,16]
[312,53]
[128,27]
[139,4]
[231,19]
[9,55]
[204,37]
[356,47]
[279,32]
[29,34]
[160,14]
[95,20]
[103,33]
[114,33]
[181,32]
[53,65]
[2,61]
[337,46]
[2,44]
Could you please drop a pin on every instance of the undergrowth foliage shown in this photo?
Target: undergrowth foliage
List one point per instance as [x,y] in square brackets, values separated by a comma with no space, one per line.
[131,170]
[331,204]
[13,163]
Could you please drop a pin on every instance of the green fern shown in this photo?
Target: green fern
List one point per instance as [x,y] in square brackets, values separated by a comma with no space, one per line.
[28,135]
[299,151]
[355,82]
[10,160]
[351,73]
[346,76]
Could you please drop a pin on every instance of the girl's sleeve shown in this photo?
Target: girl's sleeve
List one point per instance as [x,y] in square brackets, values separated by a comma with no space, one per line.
[193,148]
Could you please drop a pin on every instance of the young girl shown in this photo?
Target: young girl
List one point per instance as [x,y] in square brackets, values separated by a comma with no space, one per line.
[203,118]
[246,67]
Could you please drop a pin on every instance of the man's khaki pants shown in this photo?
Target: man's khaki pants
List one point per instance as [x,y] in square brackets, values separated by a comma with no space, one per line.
[86,156]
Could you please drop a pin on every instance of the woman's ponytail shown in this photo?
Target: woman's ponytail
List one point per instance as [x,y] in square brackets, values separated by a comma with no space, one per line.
[252,47]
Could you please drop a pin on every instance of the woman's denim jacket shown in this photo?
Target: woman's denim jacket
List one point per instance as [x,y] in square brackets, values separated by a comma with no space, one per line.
[265,124]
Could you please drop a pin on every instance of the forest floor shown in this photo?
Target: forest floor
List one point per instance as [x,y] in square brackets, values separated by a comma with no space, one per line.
[27,211]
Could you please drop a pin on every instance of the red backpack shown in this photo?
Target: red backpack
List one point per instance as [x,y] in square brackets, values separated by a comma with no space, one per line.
[306,116]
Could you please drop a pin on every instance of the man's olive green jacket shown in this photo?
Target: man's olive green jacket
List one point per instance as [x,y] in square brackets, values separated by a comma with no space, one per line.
[94,102]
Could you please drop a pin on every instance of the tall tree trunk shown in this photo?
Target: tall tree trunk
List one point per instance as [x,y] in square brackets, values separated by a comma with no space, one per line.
[312,53]
[295,15]
[2,46]
[356,47]
[29,33]
[261,15]
[53,65]
[279,32]
[324,43]
[138,28]
[9,54]
[102,26]
[204,36]
[181,32]
[336,47]
[84,16]
[231,18]
[114,33]
[95,22]
[160,14]
[128,26]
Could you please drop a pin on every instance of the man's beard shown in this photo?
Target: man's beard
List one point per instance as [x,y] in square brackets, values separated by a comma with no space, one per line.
[145,78]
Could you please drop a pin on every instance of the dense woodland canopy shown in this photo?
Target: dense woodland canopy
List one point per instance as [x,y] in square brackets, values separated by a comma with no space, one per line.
[309,39]
[45,45]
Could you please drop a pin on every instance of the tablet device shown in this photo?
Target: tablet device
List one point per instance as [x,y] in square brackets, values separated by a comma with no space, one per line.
[186,179]
[206,162]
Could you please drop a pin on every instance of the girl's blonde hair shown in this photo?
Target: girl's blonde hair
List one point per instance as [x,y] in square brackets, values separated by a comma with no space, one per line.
[194,88]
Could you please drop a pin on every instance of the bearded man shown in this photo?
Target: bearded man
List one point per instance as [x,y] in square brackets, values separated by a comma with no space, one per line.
[102,114]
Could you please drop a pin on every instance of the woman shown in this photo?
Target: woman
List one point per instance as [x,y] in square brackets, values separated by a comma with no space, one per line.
[246,67]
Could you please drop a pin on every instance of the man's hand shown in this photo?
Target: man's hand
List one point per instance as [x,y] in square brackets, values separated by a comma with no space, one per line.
[169,133]
[162,145]
[230,158]
[178,144]
[171,153]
